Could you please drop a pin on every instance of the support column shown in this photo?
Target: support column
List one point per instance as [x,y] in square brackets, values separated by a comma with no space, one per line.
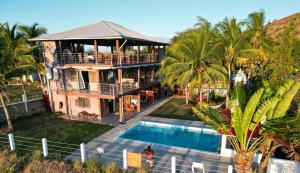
[66,96]
[153,82]
[96,50]
[118,51]
[149,53]
[112,49]
[153,53]
[114,105]
[121,111]
[139,77]
[138,54]
[139,102]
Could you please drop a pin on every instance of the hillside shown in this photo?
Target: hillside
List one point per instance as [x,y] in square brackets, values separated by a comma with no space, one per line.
[277,26]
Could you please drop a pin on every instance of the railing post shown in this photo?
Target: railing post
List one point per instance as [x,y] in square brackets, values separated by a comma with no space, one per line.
[11,142]
[223,145]
[25,102]
[230,169]
[125,166]
[45,147]
[83,152]
[173,165]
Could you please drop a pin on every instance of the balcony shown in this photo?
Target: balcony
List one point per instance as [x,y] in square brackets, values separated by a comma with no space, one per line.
[106,59]
[99,89]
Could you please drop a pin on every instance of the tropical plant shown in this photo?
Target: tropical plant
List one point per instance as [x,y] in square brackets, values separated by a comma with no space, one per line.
[191,60]
[285,56]
[281,134]
[236,47]
[16,57]
[247,117]
[29,32]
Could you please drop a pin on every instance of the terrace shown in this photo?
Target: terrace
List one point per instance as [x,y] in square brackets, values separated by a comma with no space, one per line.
[100,89]
[106,58]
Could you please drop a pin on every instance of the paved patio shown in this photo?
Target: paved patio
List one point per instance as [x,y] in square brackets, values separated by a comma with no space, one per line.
[113,147]
[113,118]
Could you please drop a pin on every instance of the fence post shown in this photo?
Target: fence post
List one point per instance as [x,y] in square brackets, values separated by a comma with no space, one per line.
[83,152]
[25,102]
[125,166]
[11,142]
[45,147]
[230,168]
[173,164]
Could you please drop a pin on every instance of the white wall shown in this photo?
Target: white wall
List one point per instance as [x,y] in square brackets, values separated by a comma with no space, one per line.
[282,166]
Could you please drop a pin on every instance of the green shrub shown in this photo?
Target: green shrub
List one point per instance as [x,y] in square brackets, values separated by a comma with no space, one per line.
[36,155]
[93,165]
[77,165]
[8,162]
[47,166]
[111,168]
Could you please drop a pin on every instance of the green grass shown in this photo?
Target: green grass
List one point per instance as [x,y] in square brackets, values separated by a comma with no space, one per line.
[175,108]
[59,132]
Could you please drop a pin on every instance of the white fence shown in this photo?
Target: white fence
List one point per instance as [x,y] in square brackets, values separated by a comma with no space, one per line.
[162,163]
[57,150]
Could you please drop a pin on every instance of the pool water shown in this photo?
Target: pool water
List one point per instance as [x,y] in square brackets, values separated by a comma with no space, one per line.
[174,135]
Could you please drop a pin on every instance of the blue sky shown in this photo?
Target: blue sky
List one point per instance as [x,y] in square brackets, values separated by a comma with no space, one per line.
[161,18]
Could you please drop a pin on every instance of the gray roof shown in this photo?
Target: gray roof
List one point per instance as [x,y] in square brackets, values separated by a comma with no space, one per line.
[100,30]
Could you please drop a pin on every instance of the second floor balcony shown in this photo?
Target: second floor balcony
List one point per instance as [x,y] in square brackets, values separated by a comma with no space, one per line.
[106,59]
[100,89]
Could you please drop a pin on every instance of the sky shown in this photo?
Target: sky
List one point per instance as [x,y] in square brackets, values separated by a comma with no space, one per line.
[158,18]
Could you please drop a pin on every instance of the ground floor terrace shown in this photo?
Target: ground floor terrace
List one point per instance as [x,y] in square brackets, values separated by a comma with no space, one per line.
[109,147]
[94,108]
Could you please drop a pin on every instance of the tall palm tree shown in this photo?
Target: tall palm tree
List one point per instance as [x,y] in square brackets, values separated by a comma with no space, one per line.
[246,118]
[30,32]
[190,60]
[257,28]
[16,57]
[235,46]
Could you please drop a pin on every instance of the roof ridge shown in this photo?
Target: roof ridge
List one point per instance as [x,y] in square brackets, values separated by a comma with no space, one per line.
[105,23]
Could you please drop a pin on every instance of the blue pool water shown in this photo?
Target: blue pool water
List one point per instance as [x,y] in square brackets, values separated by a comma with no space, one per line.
[174,135]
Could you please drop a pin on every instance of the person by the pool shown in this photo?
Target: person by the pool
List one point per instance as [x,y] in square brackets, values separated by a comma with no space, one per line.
[149,154]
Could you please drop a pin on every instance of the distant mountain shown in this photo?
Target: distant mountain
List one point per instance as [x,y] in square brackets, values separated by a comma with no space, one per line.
[277,26]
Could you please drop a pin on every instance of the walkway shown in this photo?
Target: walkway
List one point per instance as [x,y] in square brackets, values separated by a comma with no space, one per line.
[113,147]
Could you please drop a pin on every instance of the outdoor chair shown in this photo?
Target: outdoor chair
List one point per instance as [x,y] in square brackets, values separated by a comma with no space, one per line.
[197,166]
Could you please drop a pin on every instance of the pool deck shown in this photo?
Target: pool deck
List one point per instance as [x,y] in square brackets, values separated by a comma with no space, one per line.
[113,147]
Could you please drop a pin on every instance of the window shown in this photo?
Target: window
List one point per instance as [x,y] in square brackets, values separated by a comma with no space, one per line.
[82,102]
[61,105]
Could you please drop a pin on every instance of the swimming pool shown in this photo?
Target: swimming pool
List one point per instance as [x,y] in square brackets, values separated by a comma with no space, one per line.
[174,135]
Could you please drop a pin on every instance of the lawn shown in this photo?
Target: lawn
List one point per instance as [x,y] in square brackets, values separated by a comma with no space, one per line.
[175,108]
[59,132]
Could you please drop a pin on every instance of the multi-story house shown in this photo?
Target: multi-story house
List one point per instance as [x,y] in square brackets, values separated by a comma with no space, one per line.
[101,69]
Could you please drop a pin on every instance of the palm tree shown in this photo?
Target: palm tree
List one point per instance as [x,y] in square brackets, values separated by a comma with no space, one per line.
[283,133]
[16,57]
[257,28]
[235,46]
[247,117]
[190,60]
[30,32]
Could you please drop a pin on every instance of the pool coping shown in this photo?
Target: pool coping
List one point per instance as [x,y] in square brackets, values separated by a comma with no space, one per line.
[112,145]
[118,138]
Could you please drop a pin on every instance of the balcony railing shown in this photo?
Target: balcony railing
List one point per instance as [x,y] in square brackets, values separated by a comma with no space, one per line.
[97,88]
[105,58]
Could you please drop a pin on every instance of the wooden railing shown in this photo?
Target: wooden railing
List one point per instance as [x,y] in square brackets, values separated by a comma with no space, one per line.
[105,58]
[100,88]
